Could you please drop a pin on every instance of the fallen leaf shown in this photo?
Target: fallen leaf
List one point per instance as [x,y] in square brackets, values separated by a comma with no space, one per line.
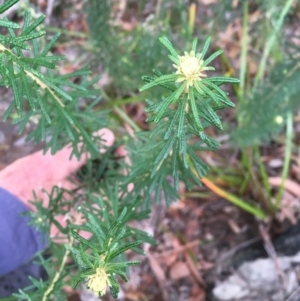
[205,265]
[296,170]
[289,208]
[179,270]
[135,296]
[167,260]
[289,185]
[197,293]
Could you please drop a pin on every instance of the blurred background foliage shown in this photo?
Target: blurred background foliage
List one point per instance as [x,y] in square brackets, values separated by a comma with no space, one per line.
[261,42]
[119,39]
[261,47]
[124,37]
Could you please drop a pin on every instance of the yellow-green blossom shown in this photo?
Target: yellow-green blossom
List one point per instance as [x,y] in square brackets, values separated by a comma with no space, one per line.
[98,282]
[190,68]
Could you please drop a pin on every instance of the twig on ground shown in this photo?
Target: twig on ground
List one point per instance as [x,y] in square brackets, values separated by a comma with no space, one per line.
[269,247]
[295,295]
[226,255]
[181,248]
[159,275]
[194,271]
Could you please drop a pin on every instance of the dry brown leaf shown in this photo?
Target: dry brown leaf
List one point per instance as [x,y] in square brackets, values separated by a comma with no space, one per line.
[255,16]
[135,296]
[190,264]
[294,39]
[289,185]
[192,227]
[296,170]
[228,40]
[289,208]
[179,270]
[205,265]
[127,26]
[197,293]
[167,260]
[287,214]
[42,4]
[235,3]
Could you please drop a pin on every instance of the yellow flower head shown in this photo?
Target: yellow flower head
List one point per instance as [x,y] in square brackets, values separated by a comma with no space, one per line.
[190,68]
[98,282]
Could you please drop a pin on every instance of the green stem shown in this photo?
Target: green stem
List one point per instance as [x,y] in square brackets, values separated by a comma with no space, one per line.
[66,32]
[247,160]
[121,113]
[234,199]
[124,101]
[264,174]
[244,184]
[287,157]
[58,274]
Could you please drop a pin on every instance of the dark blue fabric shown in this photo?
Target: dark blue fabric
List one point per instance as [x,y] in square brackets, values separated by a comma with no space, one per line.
[19,278]
[18,241]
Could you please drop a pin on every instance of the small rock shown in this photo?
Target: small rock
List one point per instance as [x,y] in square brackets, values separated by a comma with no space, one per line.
[233,287]
[259,278]
[275,163]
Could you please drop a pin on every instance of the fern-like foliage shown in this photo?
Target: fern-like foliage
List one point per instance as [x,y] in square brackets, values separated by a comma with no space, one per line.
[160,165]
[263,114]
[106,211]
[36,291]
[61,201]
[126,58]
[189,106]
[50,101]
[107,204]
[101,262]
